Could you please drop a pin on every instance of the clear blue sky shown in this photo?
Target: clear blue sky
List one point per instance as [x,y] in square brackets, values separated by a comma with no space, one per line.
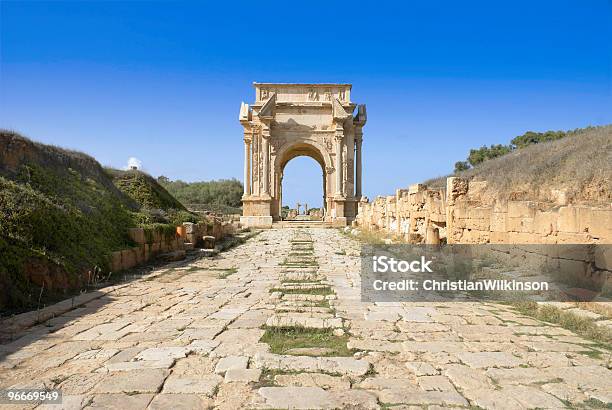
[162,81]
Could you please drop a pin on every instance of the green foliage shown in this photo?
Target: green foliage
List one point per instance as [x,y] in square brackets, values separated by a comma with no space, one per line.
[61,216]
[531,137]
[485,153]
[461,166]
[61,219]
[144,189]
[167,232]
[226,192]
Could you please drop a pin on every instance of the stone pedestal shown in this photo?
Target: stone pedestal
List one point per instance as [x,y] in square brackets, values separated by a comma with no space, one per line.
[256,221]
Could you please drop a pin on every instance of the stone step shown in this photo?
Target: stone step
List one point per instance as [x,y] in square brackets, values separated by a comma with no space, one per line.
[332,365]
[303,286]
[305,320]
[303,309]
[301,276]
[295,297]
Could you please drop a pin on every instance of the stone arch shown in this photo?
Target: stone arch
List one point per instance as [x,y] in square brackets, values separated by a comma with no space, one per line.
[290,120]
[293,149]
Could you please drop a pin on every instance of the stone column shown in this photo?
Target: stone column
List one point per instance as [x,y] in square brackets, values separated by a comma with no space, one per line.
[358,140]
[265,148]
[339,164]
[247,166]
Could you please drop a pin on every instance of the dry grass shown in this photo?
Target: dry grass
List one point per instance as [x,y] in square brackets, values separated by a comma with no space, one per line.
[580,163]
[582,326]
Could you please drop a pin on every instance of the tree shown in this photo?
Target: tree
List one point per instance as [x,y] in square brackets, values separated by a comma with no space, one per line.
[461,166]
[531,137]
[485,153]
[226,192]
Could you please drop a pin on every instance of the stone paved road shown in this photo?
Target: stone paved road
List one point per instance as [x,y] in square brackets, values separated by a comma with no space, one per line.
[190,338]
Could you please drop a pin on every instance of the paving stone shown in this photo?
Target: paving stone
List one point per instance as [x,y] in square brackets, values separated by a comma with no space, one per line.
[435,383]
[401,396]
[178,384]
[310,351]
[481,360]
[140,381]
[163,353]
[520,375]
[421,369]
[297,397]
[120,401]
[179,402]
[514,397]
[231,362]
[341,365]
[203,346]
[385,383]
[242,375]
[313,380]
[467,378]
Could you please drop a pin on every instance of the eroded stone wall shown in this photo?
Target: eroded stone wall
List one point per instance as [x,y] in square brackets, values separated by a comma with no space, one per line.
[460,214]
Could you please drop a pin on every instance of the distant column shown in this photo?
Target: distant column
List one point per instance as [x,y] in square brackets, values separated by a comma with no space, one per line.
[266,160]
[247,166]
[339,164]
[358,140]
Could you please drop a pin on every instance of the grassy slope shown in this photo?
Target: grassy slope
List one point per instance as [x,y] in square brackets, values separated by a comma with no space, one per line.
[580,163]
[62,214]
[144,189]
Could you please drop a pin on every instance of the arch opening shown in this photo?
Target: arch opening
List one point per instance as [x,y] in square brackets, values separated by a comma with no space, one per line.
[303,181]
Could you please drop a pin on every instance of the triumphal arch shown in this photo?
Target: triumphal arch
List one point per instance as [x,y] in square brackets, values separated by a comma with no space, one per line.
[291,120]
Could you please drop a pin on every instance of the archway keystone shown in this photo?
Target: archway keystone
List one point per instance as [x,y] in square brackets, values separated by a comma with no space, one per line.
[290,120]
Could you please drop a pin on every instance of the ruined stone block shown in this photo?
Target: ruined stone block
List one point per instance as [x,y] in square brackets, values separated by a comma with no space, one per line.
[521,209]
[602,224]
[116,261]
[545,223]
[519,224]
[455,188]
[499,237]
[139,255]
[413,189]
[572,238]
[137,235]
[128,259]
[498,221]
[568,219]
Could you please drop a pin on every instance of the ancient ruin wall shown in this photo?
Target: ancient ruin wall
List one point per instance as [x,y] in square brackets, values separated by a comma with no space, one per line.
[459,214]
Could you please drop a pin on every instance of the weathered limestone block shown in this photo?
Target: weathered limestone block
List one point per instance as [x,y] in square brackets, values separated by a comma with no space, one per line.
[498,221]
[137,235]
[545,223]
[520,224]
[139,255]
[455,188]
[475,236]
[498,237]
[116,264]
[601,226]
[521,209]
[568,219]
[415,188]
[128,258]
